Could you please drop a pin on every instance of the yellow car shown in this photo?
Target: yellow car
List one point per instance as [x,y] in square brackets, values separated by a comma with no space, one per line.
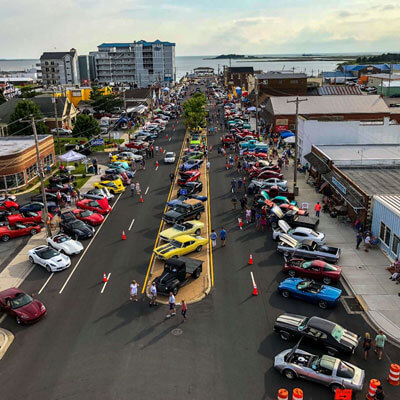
[114,187]
[186,228]
[116,158]
[180,246]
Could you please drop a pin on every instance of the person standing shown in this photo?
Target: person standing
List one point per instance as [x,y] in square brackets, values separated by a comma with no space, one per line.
[248,216]
[380,340]
[208,166]
[171,301]
[133,288]
[367,242]
[171,176]
[239,183]
[233,185]
[222,235]
[317,209]
[138,191]
[367,344]
[69,199]
[132,189]
[359,239]
[234,202]
[153,294]
[183,310]
[213,237]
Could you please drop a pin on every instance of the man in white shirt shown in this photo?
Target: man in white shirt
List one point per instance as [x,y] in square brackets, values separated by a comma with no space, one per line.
[171,301]
[367,242]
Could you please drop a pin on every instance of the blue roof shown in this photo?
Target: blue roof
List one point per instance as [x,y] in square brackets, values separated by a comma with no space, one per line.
[349,68]
[143,42]
[114,45]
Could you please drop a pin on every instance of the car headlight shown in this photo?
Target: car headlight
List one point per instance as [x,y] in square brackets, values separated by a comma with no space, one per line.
[42,308]
[23,316]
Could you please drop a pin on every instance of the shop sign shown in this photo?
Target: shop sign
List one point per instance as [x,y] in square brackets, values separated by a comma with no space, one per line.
[339,185]
[282,121]
[97,142]
[280,128]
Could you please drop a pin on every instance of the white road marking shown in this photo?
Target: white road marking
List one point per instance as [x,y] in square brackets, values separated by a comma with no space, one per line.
[3,317]
[130,226]
[164,151]
[169,139]
[84,252]
[48,279]
[105,283]
[148,187]
[157,168]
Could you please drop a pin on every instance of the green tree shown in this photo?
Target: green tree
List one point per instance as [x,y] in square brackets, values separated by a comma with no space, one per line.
[106,102]
[86,125]
[2,98]
[194,113]
[23,112]
[27,92]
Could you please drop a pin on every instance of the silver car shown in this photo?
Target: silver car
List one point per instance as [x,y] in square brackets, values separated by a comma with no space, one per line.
[299,233]
[329,371]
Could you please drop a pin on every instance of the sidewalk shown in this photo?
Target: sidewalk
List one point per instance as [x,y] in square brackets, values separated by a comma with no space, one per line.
[364,272]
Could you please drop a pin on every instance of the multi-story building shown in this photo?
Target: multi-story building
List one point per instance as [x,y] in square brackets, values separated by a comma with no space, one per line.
[139,63]
[60,68]
[87,69]
[237,76]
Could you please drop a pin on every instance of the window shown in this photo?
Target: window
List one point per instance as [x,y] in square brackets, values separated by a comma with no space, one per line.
[31,172]
[46,63]
[12,181]
[48,160]
[294,81]
[384,234]
[395,244]
[387,236]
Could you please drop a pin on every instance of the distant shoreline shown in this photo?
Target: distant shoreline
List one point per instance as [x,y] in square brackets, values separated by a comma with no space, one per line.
[251,59]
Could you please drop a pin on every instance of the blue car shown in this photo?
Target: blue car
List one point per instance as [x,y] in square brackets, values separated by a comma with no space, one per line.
[183,198]
[308,290]
[121,164]
[191,164]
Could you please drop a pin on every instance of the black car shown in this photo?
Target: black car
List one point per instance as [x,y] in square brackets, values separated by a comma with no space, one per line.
[52,197]
[74,227]
[190,188]
[184,211]
[62,178]
[176,273]
[327,334]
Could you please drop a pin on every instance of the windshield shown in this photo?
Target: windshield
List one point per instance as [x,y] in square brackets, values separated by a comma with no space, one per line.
[62,239]
[303,285]
[180,209]
[21,299]
[313,233]
[176,244]
[169,155]
[345,370]
[78,224]
[86,213]
[180,228]
[329,267]
[337,332]
[110,184]
[47,254]
[306,264]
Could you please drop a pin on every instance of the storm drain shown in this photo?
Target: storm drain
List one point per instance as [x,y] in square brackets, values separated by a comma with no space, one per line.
[177,331]
[352,305]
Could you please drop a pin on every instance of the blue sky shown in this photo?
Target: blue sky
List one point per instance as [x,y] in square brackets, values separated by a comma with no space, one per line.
[201,27]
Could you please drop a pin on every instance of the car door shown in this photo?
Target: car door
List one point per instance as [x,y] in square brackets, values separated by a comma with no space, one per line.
[20,230]
[190,246]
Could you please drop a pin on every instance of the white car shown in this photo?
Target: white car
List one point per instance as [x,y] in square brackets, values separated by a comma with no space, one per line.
[299,233]
[49,258]
[64,244]
[169,157]
[132,156]
[61,131]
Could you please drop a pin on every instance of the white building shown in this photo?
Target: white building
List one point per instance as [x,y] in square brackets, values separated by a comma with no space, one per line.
[314,132]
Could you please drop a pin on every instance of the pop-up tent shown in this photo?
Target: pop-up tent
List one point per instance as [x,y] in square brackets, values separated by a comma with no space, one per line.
[71,156]
[286,134]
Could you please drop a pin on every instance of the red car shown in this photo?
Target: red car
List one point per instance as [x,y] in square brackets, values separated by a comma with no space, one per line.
[10,232]
[254,171]
[315,269]
[9,205]
[100,206]
[226,139]
[88,216]
[188,176]
[267,174]
[287,207]
[137,145]
[18,304]
[26,217]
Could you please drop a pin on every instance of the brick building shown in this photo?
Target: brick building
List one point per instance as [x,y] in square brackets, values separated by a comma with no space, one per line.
[237,76]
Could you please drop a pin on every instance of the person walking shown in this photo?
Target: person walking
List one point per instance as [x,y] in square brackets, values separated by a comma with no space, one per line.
[171,301]
[183,310]
[213,237]
[379,394]
[171,177]
[153,294]
[234,202]
[359,239]
[380,340]
[208,166]
[137,187]
[239,183]
[69,199]
[222,235]
[143,164]
[248,216]
[133,288]
[132,188]
[263,222]
[317,209]
[367,242]
[367,344]
[233,185]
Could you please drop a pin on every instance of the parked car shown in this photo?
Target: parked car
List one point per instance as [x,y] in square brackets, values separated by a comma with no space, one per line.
[64,244]
[8,232]
[180,246]
[49,258]
[114,187]
[187,228]
[61,131]
[56,187]
[263,175]
[183,198]
[19,305]
[256,185]
[299,233]
[98,194]
[50,197]
[100,206]
[188,176]
[9,205]
[190,165]
[333,337]
[169,157]
[26,217]
[184,211]
[90,217]
[33,206]
[74,227]
[190,188]
[308,290]
[61,179]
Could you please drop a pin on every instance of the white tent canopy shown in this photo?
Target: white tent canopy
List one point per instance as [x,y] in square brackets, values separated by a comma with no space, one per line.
[71,156]
[290,139]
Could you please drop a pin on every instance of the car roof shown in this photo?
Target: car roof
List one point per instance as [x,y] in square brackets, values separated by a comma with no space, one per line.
[303,229]
[321,324]
[43,247]
[184,238]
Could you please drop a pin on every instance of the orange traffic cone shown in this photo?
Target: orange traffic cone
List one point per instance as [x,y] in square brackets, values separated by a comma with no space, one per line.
[160,149]
[141,198]
[255,290]
[104,278]
[156,164]
[123,235]
[166,136]
[251,259]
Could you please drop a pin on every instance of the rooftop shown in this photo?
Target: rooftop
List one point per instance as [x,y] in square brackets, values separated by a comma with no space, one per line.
[56,55]
[239,70]
[392,202]
[393,77]
[339,91]
[17,144]
[280,75]
[142,42]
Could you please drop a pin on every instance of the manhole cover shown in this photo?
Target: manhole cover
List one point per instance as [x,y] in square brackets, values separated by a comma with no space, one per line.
[353,304]
[177,331]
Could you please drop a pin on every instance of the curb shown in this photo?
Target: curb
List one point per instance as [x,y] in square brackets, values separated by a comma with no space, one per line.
[6,338]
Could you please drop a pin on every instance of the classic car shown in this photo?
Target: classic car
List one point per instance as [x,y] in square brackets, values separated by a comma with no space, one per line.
[307,249]
[316,269]
[140,144]
[19,305]
[114,187]
[99,206]
[169,157]
[98,194]
[257,185]
[299,233]
[184,211]
[62,178]
[176,273]
[114,177]
[308,290]
[188,176]
[263,175]
[187,228]
[180,246]
[64,244]
[254,171]
[129,155]
[8,205]
[10,232]
[74,227]
[49,258]
[290,207]
[190,188]
[333,337]
[253,145]
[228,139]
[327,370]
[90,217]
[119,164]
[56,187]
[118,158]
[293,218]
[182,198]
[190,165]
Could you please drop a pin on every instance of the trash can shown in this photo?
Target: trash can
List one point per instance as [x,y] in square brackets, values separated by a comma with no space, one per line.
[91,169]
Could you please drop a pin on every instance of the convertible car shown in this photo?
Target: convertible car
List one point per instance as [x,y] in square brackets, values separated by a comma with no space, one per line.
[64,244]
[186,228]
[180,246]
[190,165]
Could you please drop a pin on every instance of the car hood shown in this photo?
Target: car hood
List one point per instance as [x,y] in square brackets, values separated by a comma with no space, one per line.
[349,339]
[290,319]
[104,204]
[60,259]
[32,309]
[73,245]
[330,291]
[172,214]
[170,233]
[164,249]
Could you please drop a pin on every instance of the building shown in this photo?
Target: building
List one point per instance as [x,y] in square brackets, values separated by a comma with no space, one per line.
[276,83]
[201,72]
[237,76]
[386,223]
[139,63]
[18,161]
[82,94]
[87,69]
[138,97]
[389,88]
[315,132]
[358,70]
[376,80]
[282,114]
[60,68]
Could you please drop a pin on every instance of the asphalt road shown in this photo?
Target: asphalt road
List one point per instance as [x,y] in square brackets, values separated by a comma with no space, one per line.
[101,346]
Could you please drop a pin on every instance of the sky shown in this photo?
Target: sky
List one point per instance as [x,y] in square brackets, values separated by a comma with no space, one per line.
[201,27]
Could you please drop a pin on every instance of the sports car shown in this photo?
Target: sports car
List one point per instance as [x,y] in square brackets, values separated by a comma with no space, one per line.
[49,258]
[290,207]
[323,295]
[190,164]
[88,216]
[98,194]
[62,178]
[317,269]
[257,185]
[140,144]
[26,217]
[194,155]
[327,370]
[114,187]
[17,230]
[187,228]
[188,176]
[19,305]
[190,188]
[113,177]
[9,205]
[299,233]
[33,206]
[333,337]
[99,206]
[64,244]
[117,158]
[180,246]
[74,227]
[56,187]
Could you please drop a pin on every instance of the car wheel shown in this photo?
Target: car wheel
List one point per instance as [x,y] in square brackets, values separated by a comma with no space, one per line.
[284,335]
[12,209]
[327,280]
[31,260]
[198,215]
[292,273]
[323,304]
[289,374]
[5,238]
[334,387]
[197,232]
[48,268]
[196,273]
[285,293]
[286,254]
[18,320]
[199,248]
[33,232]
[331,351]
[175,290]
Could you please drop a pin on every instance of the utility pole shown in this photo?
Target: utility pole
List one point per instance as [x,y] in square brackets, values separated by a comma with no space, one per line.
[41,177]
[56,118]
[296,149]
[256,88]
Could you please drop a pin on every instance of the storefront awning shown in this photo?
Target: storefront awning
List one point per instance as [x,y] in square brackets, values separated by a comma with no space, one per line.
[317,163]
